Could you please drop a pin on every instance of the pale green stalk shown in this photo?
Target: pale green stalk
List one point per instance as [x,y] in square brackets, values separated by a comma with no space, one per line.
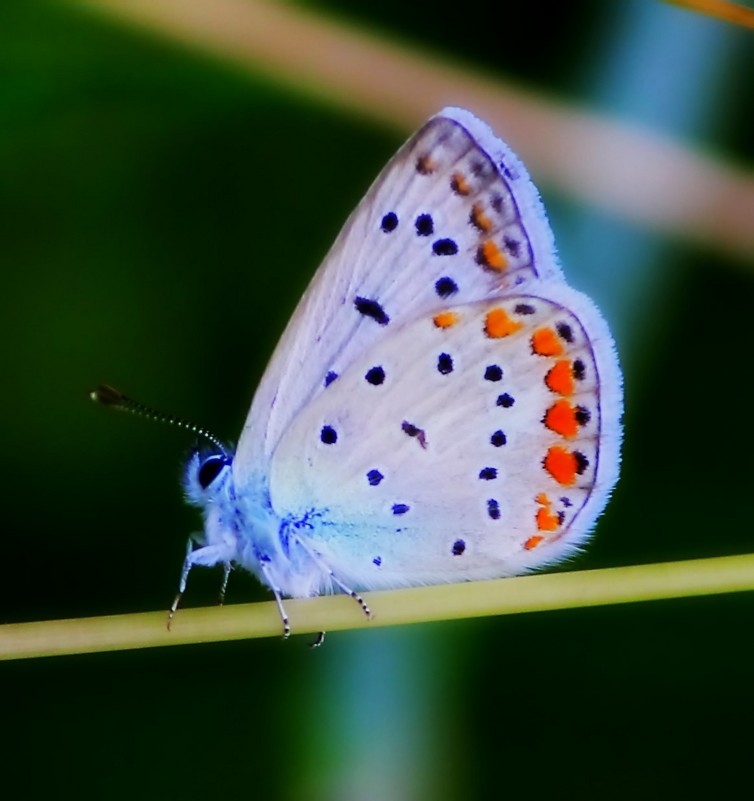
[395,607]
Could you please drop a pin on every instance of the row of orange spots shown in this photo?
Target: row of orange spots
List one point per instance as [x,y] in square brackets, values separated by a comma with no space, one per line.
[479,219]
[489,255]
[459,184]
[560,378]
[547,520]
[562,465]
[498,324]
[545,342]
[561,418]
[446,319]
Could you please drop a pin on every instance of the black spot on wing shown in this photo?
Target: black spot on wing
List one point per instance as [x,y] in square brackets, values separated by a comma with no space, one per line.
[445,286]
[444,364]
[498,439]
[375,375]
[424,225]
[444,247]
[389,222]
[328,435]
[565,331]
[371,308]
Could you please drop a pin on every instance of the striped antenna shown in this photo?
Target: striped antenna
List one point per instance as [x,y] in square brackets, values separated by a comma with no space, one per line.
[115,399]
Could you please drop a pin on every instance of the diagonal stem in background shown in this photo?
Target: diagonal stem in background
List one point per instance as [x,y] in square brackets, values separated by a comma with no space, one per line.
[636,174]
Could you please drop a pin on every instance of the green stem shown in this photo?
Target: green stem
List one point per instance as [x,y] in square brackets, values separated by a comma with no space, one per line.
[390,608]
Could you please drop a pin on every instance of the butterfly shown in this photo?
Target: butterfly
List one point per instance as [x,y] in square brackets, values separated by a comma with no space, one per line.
[442,406]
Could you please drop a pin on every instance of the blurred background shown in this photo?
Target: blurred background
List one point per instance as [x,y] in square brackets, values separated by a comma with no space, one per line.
[161,210]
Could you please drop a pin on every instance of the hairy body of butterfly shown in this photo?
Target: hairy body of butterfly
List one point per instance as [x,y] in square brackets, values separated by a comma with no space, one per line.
[442,406]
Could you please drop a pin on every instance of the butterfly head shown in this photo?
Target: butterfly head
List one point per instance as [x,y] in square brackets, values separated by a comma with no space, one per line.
[207,476]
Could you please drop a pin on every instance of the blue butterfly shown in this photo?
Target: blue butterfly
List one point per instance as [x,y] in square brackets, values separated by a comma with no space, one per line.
[442,406]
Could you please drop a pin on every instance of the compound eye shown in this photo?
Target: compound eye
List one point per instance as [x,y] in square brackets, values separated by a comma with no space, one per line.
[210,469]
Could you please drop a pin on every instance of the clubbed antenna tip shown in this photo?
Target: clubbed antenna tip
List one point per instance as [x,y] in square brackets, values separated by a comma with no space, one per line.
[109,396]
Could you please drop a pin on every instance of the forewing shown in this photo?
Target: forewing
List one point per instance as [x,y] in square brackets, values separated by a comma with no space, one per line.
[452,219]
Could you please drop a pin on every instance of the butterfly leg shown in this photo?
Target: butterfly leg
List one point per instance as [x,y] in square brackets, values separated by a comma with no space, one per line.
[344,587]
[278,600]
[319,640]
[227,567]
[207,555]
[187,565]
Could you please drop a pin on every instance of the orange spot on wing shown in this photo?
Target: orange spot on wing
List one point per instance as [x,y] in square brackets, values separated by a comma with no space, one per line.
[498,324]
[562,465]
[561,418]
[546,520]
[545,342]
[490,256]
[425,165]
[560,378]
[445,319]
[459,184]
[532,542]
[479,219]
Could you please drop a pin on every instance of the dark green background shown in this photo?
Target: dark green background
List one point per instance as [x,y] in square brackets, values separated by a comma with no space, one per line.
[160,214]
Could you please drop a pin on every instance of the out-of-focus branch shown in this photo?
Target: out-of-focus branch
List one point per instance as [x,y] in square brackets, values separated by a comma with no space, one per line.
[729,12]
[633,173]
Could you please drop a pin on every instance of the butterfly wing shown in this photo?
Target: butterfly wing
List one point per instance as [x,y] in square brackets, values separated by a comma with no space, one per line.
[442,405]
[453,218]
[476,442]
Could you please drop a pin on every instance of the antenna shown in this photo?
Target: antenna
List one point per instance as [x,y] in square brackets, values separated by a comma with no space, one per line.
[115,399]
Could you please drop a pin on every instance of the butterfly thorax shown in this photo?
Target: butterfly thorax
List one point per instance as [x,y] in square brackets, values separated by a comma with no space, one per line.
[242,529]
